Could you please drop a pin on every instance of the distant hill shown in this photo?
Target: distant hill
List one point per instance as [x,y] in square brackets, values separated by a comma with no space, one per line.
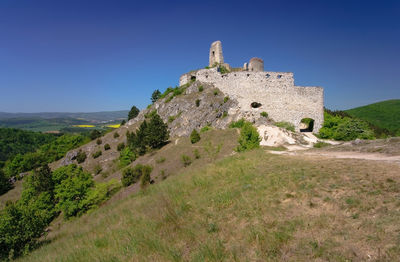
[385,114]
[93,116]
[58,121]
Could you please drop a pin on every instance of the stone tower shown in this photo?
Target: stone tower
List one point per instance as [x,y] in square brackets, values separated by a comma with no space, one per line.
[256,64]
[216,53]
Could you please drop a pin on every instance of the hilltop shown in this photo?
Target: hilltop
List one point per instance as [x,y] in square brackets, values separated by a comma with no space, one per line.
[385,114]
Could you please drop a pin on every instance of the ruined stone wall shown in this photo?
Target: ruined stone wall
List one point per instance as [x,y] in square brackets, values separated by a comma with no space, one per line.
[280,98]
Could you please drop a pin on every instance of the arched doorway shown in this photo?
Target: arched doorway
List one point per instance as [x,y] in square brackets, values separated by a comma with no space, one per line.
[306,125]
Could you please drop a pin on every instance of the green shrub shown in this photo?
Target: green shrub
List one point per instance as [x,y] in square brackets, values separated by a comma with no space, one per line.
[264,114]
[97,154]
[97,169]
[344,128]
[249,138]
[95,134]
[98,141]
[197,102]
[201,88]
[160,160]
[145,178]
[320,144]
[223,69]
[194,136]
[116,135]
[196,154]
[226,99]
[186,160]
[80,156]
[98,194]
[237,124]
[288,126]
[107,147]
[224,114]
[205,128]
[120,146]
[126,157]
[132,175]
[215,92]
[123,122]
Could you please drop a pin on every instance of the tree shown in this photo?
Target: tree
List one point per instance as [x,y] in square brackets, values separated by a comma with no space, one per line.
[155,96]
[141,138]
[5,184]
[158,132]
[95,134]
[194,136]
[133,113]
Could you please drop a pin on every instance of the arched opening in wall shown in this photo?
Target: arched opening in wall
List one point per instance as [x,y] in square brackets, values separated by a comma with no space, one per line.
[307,125]
[192,78]
[255,105]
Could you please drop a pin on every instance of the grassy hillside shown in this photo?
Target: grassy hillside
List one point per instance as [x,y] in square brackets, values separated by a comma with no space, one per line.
[385,114]
[248,207]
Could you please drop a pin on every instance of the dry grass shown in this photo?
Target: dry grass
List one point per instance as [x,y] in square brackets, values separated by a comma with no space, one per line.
[248,207]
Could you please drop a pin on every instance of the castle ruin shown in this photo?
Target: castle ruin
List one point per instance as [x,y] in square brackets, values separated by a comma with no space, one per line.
[257,91]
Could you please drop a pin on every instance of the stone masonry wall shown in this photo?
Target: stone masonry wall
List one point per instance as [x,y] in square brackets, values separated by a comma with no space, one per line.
[280,98]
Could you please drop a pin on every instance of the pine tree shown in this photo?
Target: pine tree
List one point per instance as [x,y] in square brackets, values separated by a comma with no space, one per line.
[158,132]
[194,136]
[133,113]
[155,96]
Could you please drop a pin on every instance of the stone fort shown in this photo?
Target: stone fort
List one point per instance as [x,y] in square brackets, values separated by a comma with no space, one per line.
[257,90]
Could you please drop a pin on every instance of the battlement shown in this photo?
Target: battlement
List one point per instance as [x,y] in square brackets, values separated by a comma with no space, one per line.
[274,91]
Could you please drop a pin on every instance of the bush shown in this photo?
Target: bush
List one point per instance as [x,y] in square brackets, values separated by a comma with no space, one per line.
[133,112]
[120,146]
[201,88]
[224,114]
[264,114]
[160,160]
[196,154]
[107,147]
[116,135]
[205,128]
[126,157]
[237,124]
[344,128]
[98,194]
[197,102]
[288,126]
[72,191]
[186,160]
[223,69]
[215,92]
[226,99]
[132,175]
[249,138]
[98,141]
[194,136]
[320,144]
[97,169]
[145,179]
[123,122]
[81,156]
[97,154]
[95,134]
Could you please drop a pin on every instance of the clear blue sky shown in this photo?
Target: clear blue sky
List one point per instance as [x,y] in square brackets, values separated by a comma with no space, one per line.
[81,55]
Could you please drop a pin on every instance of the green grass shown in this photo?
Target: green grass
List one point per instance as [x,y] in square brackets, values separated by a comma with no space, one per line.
[253,206]
[385,114]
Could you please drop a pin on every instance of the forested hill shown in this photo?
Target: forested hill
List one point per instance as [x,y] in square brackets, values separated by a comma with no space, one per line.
[15,141]
[385,114]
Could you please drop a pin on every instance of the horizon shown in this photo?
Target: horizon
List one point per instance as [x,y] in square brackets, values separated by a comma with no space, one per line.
[92,56]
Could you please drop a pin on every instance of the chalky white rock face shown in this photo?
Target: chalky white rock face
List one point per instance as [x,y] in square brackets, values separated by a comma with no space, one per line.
[275,91]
